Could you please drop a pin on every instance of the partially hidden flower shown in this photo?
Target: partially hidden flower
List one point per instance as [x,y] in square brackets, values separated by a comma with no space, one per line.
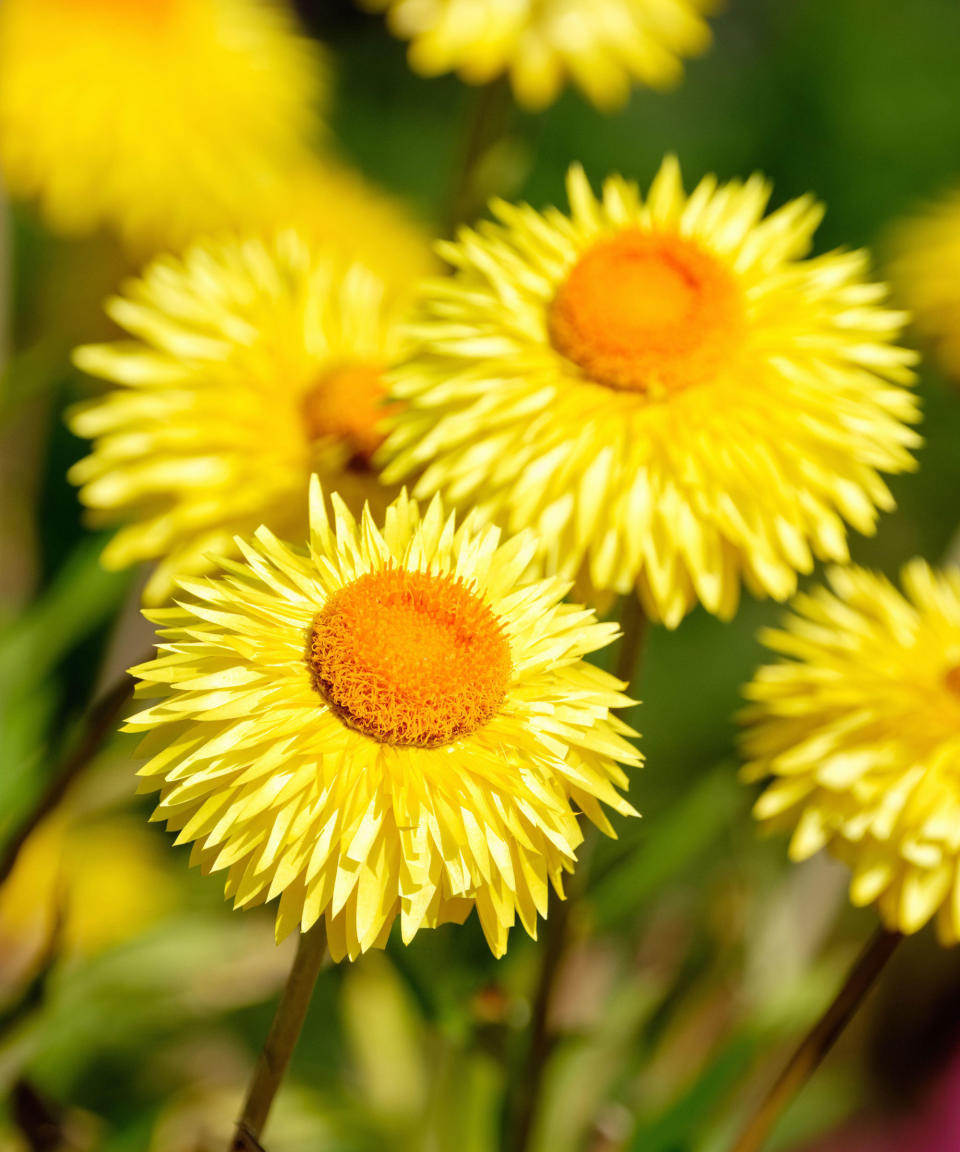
[252,364]
[669,390]
[604,47]
[156,118]
[859,727]
[399,724]
[926,273]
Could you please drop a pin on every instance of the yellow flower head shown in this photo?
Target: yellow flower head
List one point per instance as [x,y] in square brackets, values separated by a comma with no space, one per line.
[665,389]
[400,723]
[603,46]
[338,210]
[253,365]
[860,729]
[926,273]
[159,118]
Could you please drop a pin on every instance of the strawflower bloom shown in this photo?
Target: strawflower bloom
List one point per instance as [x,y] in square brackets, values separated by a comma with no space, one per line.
[253,364]
[158,118]
[338,210]
[668,391]
[399,723]
[859,727]
[603,46]
[926,273]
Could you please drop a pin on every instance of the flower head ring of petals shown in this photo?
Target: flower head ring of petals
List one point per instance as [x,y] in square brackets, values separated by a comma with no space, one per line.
[602,46]
[670,392]
[207,101]
[255,363]
[400,724]
[926,274]
[859,727]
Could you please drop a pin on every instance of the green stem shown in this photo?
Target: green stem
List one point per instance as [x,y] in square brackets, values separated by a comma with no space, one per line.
[560,923]
[487,124]
[281,1039]
[819,1040]
[100,721]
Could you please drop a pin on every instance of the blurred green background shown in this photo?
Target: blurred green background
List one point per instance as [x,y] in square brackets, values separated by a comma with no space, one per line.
[132,1019]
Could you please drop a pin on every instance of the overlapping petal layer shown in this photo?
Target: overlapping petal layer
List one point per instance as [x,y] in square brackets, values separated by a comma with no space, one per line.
[273,787]
[252,364]
[860,729]
[670,391]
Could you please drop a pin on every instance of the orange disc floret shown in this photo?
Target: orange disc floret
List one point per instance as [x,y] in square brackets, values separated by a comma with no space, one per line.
[647,312]
[409,658]
[346,404]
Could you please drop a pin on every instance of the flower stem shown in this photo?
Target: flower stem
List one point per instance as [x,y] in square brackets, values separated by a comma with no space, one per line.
[281,1039]
[488,120]
[633,621]
[556,945]
[99,723]
[819,1040]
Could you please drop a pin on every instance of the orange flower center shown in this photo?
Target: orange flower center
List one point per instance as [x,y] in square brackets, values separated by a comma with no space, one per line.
[952,679]
[647,313]
[345,405]
[409,658]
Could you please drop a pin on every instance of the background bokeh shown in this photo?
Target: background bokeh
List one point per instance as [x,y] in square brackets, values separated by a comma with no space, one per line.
[132,1001]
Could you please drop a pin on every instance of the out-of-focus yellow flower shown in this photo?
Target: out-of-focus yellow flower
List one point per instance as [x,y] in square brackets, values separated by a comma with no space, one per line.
[603,46]
[159,118]
[86,885]
[926,273]
[337,210]
[398,724]
[666,390]
[253,365]
[860,729]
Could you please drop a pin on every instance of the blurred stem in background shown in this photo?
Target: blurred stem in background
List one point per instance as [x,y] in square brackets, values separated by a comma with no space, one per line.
[556,945]
[819,1040]
[100,722]
[477,176]
[281,1039]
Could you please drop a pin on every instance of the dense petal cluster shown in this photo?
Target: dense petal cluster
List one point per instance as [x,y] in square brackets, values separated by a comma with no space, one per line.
[158,118]
[668,390]
[305,794]
[253,364]
[860,729]
[926,273]
[603,46]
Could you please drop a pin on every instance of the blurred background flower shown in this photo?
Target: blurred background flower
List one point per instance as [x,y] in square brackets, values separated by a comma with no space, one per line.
[157,118]
[603,46]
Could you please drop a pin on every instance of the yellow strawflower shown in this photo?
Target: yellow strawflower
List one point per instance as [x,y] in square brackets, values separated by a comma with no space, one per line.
[603,46]
[338,210]
[399,723]
[859,726]
[926,273]
[158,118]
[667,390]
[253,364]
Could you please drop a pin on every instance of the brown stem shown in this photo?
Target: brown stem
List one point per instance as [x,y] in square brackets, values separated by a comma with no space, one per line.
[558,934]
[489,117]
[633,621]
[819,1040]
[281,1039]
[100,721]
